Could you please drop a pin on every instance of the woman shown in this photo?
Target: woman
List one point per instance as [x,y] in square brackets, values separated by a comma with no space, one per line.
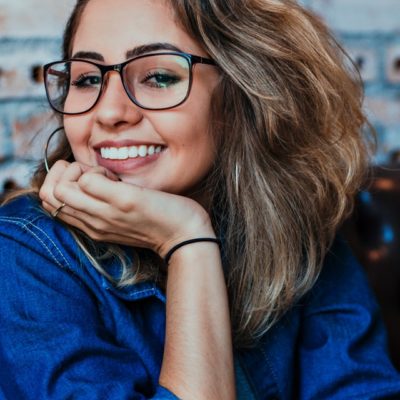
[209,151]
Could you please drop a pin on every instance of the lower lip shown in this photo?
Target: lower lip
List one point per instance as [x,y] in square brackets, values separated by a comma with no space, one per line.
[127,165]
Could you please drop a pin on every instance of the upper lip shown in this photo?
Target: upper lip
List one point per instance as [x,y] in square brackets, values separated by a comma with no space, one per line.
[123,143]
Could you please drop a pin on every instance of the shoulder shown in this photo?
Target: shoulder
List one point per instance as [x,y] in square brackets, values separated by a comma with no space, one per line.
[27,231]
[341,302]
[342,338]
[342,280]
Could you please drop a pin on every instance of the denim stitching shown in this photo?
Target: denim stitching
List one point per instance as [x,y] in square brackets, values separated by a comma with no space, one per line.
[267,360]
[25,226]
[142,291]
[28,225]
[13,219]
[54,244]
[249,377]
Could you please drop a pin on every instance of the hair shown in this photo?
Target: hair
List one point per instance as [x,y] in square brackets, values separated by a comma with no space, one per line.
[288,122]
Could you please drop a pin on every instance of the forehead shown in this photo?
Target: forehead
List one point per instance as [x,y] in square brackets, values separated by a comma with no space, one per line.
[112,27]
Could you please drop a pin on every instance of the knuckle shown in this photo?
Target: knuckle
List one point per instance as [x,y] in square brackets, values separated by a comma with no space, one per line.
[59,191]
[125,205]
[43,194]
[60,165]
[96,235]
[85,181]
[98,226]
[75,166]
[91,233]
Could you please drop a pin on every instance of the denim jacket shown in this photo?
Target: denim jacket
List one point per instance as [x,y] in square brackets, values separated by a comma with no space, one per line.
[67,333]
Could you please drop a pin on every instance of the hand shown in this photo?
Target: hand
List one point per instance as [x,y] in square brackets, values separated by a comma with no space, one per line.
[109,210]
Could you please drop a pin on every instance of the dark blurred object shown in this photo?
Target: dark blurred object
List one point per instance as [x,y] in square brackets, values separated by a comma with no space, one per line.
[373,232]
[8,186]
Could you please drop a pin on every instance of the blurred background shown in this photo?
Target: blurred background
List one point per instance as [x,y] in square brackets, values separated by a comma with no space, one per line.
[30,36]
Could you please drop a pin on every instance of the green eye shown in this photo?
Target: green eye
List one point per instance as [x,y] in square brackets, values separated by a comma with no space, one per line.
[160,80]
[86,81]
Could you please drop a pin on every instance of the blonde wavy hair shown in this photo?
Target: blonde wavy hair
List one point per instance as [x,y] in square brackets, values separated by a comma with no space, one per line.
[288,123]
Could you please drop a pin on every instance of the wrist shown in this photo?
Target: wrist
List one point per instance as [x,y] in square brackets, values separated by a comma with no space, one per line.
[194,225]
[198,260]
[189,242]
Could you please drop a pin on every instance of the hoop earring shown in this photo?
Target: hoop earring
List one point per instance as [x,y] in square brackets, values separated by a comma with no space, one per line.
[46,162]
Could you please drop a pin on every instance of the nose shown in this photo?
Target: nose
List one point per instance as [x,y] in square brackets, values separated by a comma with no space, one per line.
[114,108]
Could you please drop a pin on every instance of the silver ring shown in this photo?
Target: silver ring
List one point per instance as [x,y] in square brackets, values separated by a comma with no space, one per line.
[57,210]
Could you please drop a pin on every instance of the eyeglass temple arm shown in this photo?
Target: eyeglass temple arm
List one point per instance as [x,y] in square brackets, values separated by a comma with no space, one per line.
[56,73]
[202,60]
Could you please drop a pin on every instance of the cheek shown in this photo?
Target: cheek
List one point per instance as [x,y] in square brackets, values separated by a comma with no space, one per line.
[187,133]
[189,124]
[78,134]
[195,149]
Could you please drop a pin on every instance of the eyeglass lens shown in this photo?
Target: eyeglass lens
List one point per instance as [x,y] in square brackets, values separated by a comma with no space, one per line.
[153,82]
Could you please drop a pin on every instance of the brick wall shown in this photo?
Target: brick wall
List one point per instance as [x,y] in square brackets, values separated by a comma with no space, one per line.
[370,31]
[30,33]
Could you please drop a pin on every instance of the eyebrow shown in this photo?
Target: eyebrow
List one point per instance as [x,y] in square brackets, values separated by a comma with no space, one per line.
[148,48]
[136,51]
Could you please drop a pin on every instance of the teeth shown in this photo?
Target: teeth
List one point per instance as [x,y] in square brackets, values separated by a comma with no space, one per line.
[142,151]
[133,152]
[122,153]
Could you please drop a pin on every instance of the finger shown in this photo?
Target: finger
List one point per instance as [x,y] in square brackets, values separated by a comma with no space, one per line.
[71,211]
[84,224]
[72,173]
[52,177]
[66,190]
[62,172]
[81,225]
[77,200]
[53,211]
[95,227]
[122,195]
[103,171]
[47,206]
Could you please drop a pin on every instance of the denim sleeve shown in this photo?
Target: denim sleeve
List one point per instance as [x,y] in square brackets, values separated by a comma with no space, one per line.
[53,344]
[342,349]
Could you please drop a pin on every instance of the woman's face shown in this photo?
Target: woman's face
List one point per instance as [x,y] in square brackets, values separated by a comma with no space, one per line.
[107,32]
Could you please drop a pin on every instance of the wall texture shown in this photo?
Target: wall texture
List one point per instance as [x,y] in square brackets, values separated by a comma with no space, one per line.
[370,31]
[30,33]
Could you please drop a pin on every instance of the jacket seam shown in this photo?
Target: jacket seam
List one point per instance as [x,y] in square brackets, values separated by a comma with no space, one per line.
[27,226]
[275,378]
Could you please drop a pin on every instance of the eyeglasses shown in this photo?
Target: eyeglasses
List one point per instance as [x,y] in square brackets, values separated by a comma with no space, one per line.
[155,81]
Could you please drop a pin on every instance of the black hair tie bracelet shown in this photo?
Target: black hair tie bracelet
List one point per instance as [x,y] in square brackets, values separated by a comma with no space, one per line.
[184,243]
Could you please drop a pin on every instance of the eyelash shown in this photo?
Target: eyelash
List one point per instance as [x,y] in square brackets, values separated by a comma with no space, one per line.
[81,78]
[151,75]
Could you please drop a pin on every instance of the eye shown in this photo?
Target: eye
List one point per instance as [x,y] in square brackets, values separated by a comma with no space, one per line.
[86,81]
[161,80]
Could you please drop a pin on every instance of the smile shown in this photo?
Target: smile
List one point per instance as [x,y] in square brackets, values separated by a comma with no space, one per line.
[123,153]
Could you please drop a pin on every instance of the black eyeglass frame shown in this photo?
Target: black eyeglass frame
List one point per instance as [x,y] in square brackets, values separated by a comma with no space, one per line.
[191,59]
